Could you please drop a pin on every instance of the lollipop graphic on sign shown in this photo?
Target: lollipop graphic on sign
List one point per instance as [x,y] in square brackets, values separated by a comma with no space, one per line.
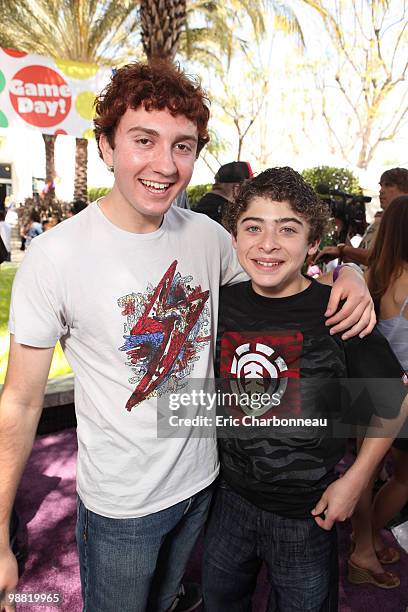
[40,96]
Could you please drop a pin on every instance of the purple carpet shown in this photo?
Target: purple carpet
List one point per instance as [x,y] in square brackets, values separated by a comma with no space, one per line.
[46,506]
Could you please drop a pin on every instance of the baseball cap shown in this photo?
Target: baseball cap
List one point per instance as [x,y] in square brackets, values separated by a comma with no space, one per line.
[234,172]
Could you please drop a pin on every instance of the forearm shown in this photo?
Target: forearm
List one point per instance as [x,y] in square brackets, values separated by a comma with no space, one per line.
[328,277]
[18,425]
[368,459]
[358,256]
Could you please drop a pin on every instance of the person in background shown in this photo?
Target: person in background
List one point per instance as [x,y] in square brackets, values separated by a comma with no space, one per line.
[387,277]
[5,234]
[51,222]
[3,252]
[226,180]
[35,228]
[182,200]
[393,183]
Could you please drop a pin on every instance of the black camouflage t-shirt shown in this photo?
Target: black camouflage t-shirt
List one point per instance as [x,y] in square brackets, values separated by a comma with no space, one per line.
[283,345]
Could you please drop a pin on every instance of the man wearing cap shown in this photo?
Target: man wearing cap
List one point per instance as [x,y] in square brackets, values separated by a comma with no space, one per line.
[226,179]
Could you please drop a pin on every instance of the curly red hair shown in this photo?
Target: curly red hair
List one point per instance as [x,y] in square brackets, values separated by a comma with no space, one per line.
[156,86]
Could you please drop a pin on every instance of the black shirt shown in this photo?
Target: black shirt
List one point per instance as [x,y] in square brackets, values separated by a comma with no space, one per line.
[284,344]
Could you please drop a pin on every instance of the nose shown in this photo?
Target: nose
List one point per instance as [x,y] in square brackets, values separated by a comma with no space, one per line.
[163,162]
[268,241]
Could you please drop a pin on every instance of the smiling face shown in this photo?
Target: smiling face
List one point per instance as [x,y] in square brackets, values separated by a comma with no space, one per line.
[272,242]
[153,160]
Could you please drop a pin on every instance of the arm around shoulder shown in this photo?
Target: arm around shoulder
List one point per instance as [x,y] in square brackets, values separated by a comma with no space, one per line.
[356,317]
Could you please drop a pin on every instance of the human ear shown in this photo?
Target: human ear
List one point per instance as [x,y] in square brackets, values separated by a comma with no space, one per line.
[106,150]
[313,248]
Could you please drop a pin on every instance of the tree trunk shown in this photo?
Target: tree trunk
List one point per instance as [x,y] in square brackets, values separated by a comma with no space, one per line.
[81,170]
[49,195]
[162,22]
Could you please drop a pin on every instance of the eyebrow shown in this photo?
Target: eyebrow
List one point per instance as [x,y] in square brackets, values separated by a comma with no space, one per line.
[150,132]
[281,220]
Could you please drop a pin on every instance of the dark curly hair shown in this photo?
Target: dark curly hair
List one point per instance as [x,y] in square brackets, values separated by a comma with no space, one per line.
[280,184]
[156,86]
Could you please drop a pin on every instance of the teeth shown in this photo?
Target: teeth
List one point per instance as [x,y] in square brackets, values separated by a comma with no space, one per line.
[268,264]
[161,186]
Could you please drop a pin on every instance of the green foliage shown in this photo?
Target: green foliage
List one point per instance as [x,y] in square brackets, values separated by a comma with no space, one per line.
[196,192]
[334,178]
[7,273]
[97,192]
[91,31]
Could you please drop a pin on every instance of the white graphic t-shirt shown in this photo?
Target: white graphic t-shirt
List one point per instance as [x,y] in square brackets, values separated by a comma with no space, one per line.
[136,315]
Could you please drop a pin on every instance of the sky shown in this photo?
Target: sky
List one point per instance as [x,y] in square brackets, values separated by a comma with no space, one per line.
[291,132]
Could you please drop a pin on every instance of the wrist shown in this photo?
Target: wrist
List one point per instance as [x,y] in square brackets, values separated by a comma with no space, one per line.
[341,248]
[338,270]
[358,476]
[357,479]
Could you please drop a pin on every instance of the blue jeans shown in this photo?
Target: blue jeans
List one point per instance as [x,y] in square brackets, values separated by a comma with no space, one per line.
[301,558]
[137,564]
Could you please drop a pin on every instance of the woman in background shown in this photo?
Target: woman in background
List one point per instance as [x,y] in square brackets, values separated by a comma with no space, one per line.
[387,279]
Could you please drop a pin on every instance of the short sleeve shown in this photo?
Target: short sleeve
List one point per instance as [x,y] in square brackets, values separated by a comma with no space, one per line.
[37,315]
[375,374]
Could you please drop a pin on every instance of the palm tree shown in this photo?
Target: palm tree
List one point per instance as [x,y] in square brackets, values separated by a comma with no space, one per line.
[49,142]
[91,31]
[201,29]
[161,27]
[81,170]
[100,31]
[169,27]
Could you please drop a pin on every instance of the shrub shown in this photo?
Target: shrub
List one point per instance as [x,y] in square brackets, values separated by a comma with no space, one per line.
[45,209]
[97,192]
[335,178]
[196,192]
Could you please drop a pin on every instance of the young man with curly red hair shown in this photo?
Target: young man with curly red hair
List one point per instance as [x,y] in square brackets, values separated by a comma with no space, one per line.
[130,287]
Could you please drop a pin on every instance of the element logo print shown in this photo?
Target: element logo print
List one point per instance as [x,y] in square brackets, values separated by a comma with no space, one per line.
[165,329]
[257,362]
[252,366]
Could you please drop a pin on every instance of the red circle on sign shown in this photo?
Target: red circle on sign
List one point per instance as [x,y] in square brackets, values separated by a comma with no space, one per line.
[60,133]
[14,52]
[40,96]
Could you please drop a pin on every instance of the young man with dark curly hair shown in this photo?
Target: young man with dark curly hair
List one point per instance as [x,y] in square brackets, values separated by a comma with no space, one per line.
[130,286]
[278,499]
